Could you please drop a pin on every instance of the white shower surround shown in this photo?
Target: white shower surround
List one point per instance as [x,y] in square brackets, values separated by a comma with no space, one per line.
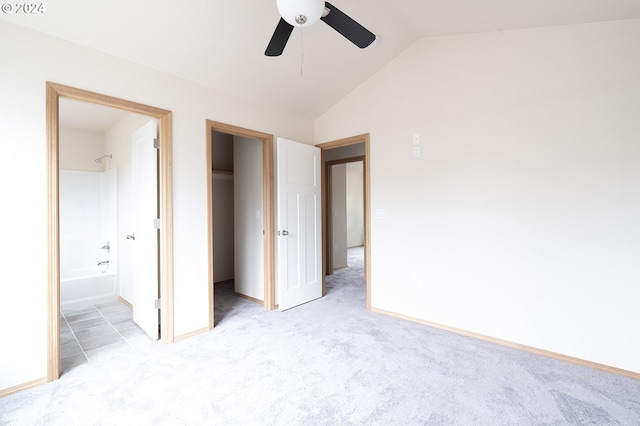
[88,222]
[87,290]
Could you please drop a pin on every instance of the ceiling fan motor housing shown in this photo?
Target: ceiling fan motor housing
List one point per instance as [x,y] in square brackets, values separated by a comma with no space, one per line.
[301,13]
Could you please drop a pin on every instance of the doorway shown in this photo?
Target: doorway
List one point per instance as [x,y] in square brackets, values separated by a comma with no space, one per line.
[344,209]
[56,92]
[342,151]
[220,135]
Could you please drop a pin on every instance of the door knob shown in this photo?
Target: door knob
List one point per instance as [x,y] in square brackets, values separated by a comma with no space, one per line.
[131,236]
[285,232]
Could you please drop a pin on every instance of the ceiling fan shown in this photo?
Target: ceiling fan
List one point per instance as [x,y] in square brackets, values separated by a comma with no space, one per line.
[303,13]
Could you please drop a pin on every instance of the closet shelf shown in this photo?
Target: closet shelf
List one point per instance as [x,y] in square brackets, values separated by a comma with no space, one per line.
[222,172]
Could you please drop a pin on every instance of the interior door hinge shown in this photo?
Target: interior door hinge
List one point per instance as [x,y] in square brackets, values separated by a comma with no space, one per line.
[156,304]
[156,143]
[156,223]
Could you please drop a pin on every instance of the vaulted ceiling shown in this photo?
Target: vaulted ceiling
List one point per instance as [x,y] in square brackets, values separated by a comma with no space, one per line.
[221,43]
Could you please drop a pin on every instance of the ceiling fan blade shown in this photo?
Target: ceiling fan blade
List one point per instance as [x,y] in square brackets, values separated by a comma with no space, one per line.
[354,32]
[279,38]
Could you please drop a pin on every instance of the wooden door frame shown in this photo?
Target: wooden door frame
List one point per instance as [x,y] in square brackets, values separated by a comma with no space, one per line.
[267,206]
[54,92]
[364,138]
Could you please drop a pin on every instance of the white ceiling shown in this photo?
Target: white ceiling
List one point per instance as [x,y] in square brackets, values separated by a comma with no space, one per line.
[86,116]
[221,43]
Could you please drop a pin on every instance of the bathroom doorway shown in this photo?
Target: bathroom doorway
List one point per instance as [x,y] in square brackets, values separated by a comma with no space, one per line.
[67,169]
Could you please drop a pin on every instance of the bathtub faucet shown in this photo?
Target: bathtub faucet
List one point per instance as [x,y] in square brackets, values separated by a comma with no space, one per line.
[104,262]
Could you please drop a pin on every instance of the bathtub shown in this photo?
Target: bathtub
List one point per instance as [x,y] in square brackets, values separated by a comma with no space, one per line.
[95,287]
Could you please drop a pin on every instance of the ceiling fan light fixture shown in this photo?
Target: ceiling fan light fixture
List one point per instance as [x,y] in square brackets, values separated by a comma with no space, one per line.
[301,13]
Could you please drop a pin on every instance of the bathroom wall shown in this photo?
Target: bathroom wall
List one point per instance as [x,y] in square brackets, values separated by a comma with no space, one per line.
[108,229]
[79,147]
[87,202]
[78,150]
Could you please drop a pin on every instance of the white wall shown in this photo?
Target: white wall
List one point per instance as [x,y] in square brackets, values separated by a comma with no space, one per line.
[339,214]
[223,228]
[521,218]
[355,204]
[223,222]
[348,151]
[221,151]
[26,66]
[79,148]
[248,222]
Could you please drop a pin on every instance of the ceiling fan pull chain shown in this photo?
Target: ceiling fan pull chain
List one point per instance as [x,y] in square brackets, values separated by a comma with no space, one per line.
[301,49]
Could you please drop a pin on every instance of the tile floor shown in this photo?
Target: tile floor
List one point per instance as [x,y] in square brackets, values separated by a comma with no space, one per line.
[98,330]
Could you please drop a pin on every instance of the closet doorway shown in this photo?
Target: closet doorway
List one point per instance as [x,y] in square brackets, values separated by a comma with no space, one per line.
[240,213]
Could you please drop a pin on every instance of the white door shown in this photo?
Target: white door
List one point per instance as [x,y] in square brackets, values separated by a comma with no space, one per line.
[299,241]
[145,236]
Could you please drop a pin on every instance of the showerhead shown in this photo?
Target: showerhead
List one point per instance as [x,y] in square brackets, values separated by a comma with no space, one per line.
[99,160]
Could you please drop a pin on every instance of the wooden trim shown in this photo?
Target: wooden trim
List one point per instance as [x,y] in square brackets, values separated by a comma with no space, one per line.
[166,229]
[53,236]
[125,302]
[364,138]
[23,386]
[267,207]
[190,334]
[54,92]
[252,299]
[105,100]
[367,218]
[323,219]
[209,185]
[328,223]
[338,143]
[268,200]
[513,345]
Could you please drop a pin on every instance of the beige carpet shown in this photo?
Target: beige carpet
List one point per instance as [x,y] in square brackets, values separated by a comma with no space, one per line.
[326,362]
